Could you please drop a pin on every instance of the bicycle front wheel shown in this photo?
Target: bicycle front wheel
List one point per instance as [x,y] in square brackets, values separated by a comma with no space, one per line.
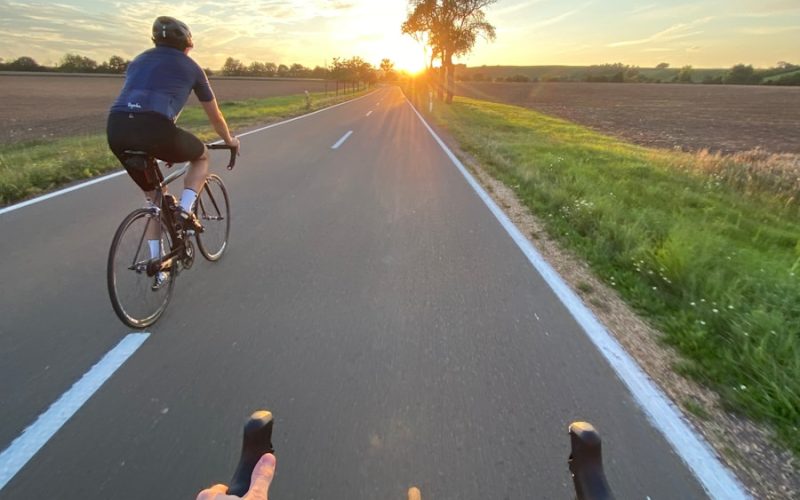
[129,286]
[213,211]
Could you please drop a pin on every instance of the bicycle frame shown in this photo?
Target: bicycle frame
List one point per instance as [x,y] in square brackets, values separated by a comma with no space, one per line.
[177,237]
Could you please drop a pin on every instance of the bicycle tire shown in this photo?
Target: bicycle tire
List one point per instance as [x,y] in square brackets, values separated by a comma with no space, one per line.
[213,211]
[124,295]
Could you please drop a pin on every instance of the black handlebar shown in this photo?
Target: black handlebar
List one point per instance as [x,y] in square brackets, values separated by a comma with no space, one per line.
[256,442]
[586,463]
[233,149]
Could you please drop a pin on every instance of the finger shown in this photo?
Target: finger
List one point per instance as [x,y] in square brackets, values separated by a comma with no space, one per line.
[213,492]
[263,473]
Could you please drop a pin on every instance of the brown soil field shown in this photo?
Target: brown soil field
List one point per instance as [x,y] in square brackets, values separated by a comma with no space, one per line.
[720,118]
[47,106]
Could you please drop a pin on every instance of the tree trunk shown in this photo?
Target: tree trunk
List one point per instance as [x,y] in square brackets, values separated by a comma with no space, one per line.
[440,83]
[451,79]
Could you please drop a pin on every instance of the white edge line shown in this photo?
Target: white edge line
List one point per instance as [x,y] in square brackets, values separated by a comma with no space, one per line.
[342,140]
[37,434]
[48,196]
[715,478]
[39,199]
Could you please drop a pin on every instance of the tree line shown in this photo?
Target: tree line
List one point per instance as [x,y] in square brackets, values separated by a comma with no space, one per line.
[783,73]
[69,63]
[354,69]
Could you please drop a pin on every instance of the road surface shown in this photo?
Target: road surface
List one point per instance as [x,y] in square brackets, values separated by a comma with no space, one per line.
[368,299]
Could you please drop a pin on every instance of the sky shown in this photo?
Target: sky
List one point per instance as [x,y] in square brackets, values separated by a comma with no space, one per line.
[701,33]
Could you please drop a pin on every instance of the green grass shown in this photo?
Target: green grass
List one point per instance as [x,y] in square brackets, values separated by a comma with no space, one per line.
[714,268]
[34,167]
[781,75]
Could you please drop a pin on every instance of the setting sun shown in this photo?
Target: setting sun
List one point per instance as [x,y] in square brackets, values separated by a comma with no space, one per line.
[407,55]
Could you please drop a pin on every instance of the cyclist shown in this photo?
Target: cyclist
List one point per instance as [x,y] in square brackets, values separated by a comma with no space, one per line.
[262,476]
[157,84]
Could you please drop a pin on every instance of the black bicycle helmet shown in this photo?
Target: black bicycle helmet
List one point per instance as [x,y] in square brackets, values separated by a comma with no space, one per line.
[169,31]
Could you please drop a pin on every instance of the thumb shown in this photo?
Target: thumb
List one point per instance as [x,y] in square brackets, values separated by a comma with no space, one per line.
[214,492]
[262,476]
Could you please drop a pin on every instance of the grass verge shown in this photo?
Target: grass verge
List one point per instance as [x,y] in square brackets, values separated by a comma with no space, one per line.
[34,167]
[711,266]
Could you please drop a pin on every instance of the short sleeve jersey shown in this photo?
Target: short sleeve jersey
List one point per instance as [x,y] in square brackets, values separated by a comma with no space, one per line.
[159,80]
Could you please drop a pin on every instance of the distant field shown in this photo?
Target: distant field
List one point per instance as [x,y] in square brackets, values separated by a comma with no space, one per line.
[45,107]
[722,118]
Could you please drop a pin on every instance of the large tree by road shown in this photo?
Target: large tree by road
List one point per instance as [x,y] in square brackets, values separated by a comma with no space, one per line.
[452,28]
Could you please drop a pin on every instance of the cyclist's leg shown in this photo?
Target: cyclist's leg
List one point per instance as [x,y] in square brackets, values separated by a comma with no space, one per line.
[130,132]
[183,146]
[198,171]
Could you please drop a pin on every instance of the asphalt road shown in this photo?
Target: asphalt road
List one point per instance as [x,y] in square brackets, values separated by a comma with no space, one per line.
[368,298]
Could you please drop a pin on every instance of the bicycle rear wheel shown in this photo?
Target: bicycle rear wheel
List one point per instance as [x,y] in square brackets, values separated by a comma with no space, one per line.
[213,211]
[129,285]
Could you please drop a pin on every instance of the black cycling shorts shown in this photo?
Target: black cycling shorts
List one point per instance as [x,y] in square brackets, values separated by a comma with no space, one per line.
[153,134]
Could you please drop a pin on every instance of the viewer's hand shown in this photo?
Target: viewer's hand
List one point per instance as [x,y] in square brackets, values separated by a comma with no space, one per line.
[263,473]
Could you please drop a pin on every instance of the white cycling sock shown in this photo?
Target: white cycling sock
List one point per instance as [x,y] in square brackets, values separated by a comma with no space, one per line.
[187,199]
[155,248]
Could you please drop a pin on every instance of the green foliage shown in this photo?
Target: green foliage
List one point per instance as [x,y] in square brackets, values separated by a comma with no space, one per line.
[233,67]
[742,75]
[596,73]
[685,75]
[23,63]
[713,268]
[791,78]
[74,63]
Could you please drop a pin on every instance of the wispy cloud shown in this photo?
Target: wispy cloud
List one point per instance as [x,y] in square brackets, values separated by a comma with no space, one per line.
[515,8]
[643,8]
[674,32]
[557,19]
[769,30]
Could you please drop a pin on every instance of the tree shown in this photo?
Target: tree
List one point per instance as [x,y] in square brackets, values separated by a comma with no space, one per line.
[117,64]
[685,75]
[233,67]
[662,65]
[283,70]
[742,75]
[74,63]
[452,28]
[270,68]
[23,63]
[387,68]
[256,69]
[297,70]
[319,72]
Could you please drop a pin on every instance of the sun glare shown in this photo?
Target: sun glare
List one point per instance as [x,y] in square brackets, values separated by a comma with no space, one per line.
[407,55]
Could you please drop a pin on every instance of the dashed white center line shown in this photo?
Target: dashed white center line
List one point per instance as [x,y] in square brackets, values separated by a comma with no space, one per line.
[37,434]
[369,113]
[341,141]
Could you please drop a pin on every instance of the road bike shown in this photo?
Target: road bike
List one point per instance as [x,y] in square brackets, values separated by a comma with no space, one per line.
[132,271]
[585,460]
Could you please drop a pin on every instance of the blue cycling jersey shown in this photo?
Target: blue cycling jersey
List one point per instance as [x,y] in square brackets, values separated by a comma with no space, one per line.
[159,81]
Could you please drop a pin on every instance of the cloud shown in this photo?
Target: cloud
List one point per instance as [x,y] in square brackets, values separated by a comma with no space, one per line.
[769,30]
[515,8]
[674,32]
[252,28]
[557,19]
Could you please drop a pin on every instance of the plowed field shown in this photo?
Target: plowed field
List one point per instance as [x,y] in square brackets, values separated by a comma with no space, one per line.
[723,118]
[44,106]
